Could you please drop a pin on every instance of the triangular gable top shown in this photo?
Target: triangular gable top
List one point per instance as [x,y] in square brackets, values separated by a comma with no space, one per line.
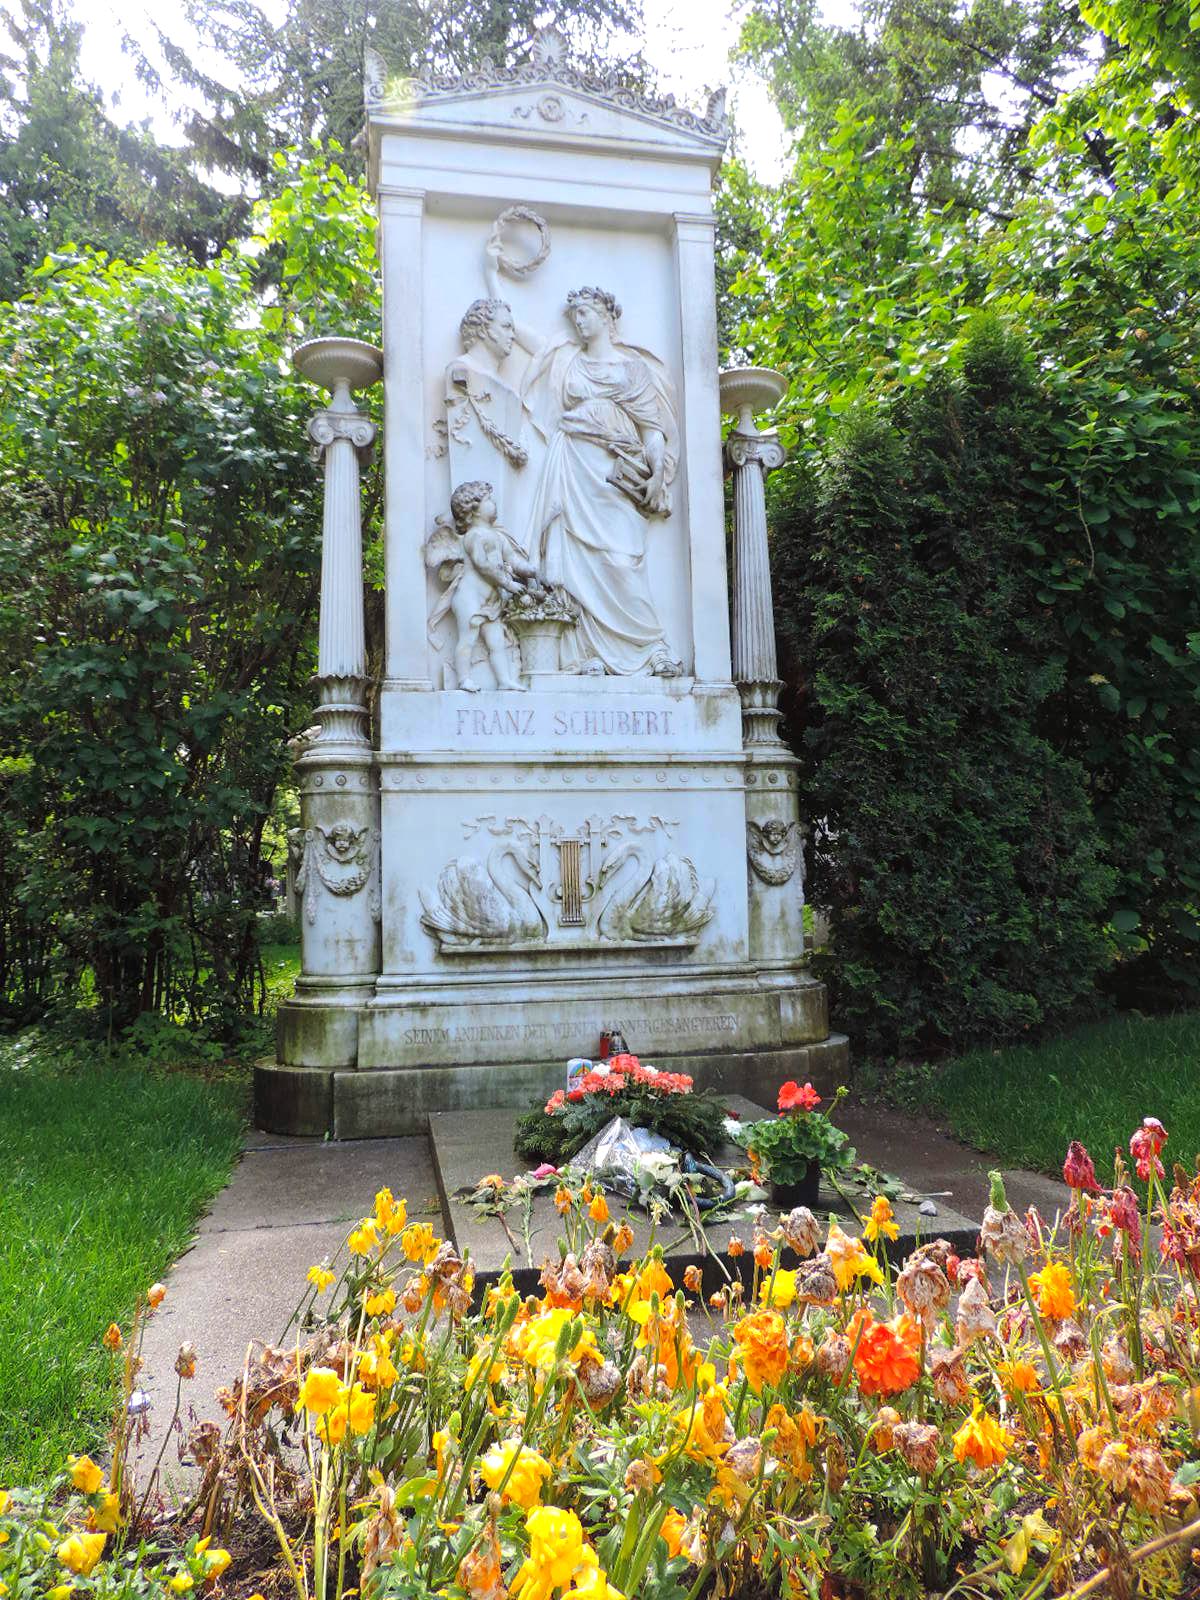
[546,96]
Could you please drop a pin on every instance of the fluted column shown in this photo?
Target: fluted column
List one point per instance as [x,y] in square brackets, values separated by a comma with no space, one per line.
[755,664]
[342,438]
[336,850]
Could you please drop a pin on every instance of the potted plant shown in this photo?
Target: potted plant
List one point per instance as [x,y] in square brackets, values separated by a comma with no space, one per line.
[789,1151]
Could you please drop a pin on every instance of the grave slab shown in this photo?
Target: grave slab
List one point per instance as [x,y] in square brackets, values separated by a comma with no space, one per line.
[469,1144]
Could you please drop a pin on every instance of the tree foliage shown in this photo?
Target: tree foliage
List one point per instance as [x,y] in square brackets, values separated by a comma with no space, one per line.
[958,847]
[268,81]
[157,619]
[69,176]
[864,294]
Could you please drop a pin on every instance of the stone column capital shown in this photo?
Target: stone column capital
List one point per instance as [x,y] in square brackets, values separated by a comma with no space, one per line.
[750,449]
[328,426]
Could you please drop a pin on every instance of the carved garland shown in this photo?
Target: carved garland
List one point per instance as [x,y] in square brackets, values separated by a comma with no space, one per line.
[345,860]
[773,848]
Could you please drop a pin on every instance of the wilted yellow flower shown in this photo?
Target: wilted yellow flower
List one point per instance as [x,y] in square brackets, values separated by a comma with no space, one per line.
[319,1391]
[390,1214]
[320,1278]
[418,1242]
[107,1515]
[185,1361]
[376,1368]
[81,1552]
[363,1239]
[524,1487]
[85,1474]
[1018,1377]
[556,1551]
[849,1259]
[880,1220]
[674,1526]
[1052,1287]
[362,1409]
[536,1341]
[762,1344]
[155,1295]
[383,1301]
[215,1562]
[982,1440]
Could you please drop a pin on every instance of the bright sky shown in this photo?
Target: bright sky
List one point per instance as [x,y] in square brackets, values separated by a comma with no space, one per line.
[687,42]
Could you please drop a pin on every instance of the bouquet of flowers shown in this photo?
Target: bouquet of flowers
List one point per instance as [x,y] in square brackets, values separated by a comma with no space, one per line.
[662,1102]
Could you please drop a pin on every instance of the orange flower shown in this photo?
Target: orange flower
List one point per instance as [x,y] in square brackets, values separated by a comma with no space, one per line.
[155,1295]
[982,1440]
[563,1199]
[1018,1377]
[735,1247]
[622,1239]
[888,1357]
[672,1530]
[113,1338]
[598,1210]
[1052,1286]
[763,1346]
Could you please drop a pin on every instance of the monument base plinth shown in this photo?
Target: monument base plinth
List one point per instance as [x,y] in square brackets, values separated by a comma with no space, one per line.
[388,1101]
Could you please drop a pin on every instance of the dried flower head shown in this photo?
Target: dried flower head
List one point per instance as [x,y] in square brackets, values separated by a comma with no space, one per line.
[975,1319]
[923,1290]
[917,1445]
[800,1230]
[1002,1233]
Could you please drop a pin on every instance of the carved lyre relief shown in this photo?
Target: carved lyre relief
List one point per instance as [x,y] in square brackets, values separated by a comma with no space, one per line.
[605,883]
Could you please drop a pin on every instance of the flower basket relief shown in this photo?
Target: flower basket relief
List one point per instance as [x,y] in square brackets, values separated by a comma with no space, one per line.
[789,1151]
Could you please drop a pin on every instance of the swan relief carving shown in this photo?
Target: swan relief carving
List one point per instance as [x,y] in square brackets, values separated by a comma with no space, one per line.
[487,902]
[668,901]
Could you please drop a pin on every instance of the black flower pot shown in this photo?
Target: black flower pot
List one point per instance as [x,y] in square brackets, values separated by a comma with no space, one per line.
[789,1195]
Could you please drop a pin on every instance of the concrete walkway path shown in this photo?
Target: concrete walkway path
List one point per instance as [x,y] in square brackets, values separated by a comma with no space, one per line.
[289,1204]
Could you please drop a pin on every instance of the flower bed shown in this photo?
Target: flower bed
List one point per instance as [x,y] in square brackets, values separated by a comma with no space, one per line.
[1021,1422]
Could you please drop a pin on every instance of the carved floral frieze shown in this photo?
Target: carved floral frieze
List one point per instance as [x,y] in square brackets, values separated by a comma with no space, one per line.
[606,883]
[548,64]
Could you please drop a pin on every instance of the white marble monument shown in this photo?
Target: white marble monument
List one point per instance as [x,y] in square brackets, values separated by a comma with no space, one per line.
[577,811]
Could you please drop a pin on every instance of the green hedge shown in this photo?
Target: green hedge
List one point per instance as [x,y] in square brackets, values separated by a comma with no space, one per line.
[954,843]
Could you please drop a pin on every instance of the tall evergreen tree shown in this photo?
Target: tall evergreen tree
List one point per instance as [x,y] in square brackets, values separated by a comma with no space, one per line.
[286,82]
[70,176]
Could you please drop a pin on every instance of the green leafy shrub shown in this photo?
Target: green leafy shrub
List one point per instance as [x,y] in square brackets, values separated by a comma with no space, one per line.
[959,855]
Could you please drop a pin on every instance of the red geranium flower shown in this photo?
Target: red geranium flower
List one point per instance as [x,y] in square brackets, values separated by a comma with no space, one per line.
[794,1098]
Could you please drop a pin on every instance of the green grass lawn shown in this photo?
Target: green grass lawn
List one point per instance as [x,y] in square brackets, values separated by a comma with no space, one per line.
[1096,1084]
[104,1168]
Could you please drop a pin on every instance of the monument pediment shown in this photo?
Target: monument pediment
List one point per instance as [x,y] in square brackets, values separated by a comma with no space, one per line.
[548,96]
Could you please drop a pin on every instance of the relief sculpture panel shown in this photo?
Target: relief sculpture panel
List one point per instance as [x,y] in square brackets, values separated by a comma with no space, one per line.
[577,434]
[607,883]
